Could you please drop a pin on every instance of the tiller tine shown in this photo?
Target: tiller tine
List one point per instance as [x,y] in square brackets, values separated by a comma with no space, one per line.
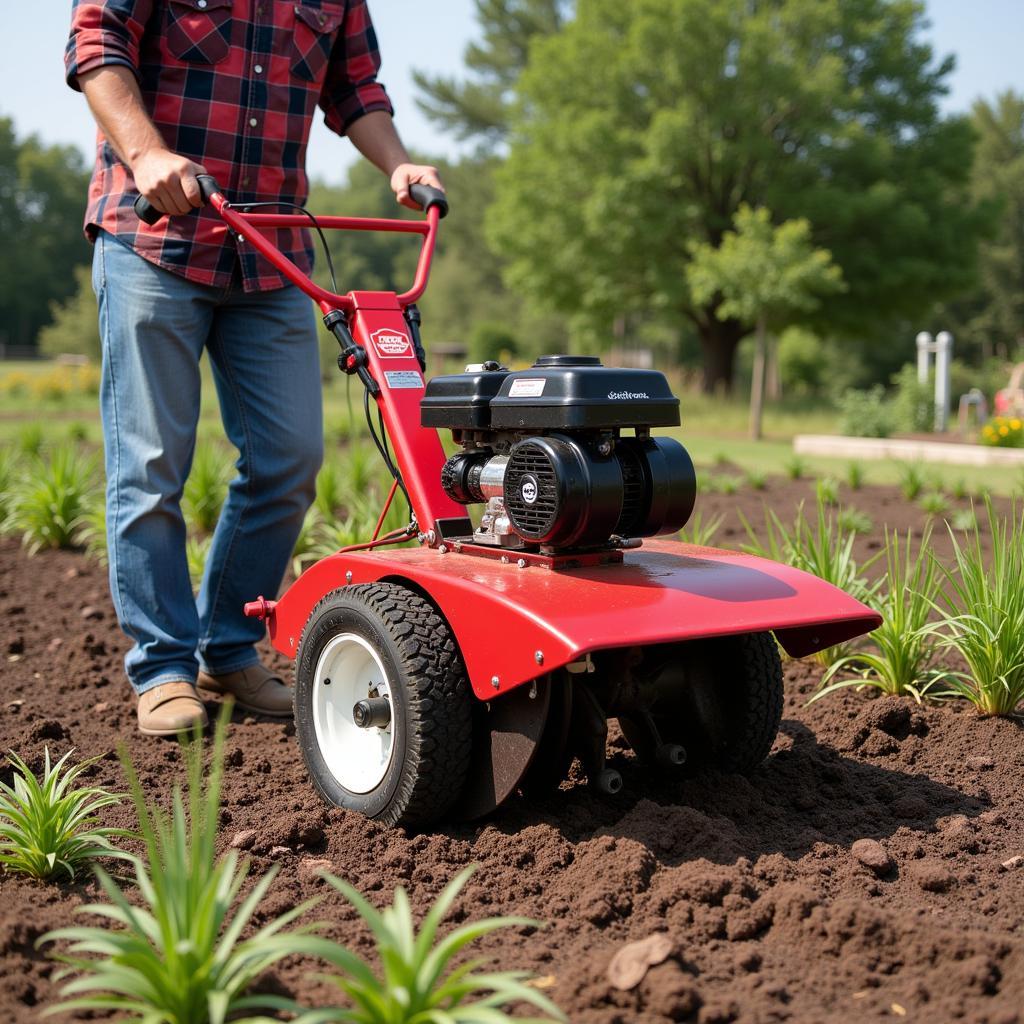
[506,734]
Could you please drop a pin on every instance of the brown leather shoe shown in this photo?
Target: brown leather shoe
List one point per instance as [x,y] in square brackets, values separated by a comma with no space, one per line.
[255,688]
[169,709]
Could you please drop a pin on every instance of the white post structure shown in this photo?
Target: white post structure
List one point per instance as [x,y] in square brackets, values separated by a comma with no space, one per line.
[942,347]
[943,357]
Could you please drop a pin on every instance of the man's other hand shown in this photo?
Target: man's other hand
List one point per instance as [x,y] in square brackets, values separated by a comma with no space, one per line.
[413,174]
[168,181]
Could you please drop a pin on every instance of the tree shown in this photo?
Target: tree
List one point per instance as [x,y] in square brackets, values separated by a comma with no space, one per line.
[992,318]
[42,196]
[74,325]
[481,107]
[643,127]
[762,276]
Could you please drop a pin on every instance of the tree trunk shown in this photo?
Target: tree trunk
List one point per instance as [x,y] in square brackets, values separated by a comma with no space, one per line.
[757,380]
[718,341]
[773,374]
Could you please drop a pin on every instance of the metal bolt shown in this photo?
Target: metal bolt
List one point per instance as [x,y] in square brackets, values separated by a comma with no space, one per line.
[521,563]
[538,656]
[504,559]
[605,447]
[533,690]
[348,576]
[495,682]
[327,681]
[443,549]
[431,537]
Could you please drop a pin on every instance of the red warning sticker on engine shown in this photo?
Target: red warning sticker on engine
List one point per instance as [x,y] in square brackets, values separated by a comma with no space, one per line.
[391,344]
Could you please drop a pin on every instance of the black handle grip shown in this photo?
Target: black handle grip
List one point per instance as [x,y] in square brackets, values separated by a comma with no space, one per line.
[149,214]
[427,196]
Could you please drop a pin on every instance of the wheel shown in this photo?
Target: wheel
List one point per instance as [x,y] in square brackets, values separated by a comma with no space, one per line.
[720,699]
[383,705]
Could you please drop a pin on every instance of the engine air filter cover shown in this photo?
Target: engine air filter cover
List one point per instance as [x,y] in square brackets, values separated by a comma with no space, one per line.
[461,401]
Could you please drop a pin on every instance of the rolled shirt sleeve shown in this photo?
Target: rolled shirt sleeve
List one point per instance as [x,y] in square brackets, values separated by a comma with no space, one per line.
[351,89]
[104,32]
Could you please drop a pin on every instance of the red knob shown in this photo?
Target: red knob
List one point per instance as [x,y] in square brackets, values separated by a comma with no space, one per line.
[260,609]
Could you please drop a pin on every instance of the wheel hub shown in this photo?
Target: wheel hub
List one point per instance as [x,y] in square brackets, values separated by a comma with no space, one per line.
[352,713]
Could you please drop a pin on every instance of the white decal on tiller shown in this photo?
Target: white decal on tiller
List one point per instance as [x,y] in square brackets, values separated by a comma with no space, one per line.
[527,387]
[391,344]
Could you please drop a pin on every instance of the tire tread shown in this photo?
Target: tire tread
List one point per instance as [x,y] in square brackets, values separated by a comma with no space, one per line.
[439,728]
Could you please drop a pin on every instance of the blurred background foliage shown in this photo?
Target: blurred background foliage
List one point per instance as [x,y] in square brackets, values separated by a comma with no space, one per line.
[608,142]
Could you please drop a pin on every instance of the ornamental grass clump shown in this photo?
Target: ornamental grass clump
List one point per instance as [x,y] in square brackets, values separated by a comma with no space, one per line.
[701,531]
[905,645]
[825,549]
[419,984]
[178,958]
[331,489]
[49,827]
[911,480]
[935,503]
[49,503]
[8,474]
[827,490]
[986,624]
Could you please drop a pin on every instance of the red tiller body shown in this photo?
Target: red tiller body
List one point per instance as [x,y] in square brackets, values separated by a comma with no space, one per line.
[516,623]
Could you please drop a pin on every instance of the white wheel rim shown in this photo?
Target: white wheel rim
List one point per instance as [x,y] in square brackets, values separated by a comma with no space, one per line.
[350,670]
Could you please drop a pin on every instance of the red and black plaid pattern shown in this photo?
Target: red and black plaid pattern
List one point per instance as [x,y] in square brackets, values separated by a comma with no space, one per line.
[233,85]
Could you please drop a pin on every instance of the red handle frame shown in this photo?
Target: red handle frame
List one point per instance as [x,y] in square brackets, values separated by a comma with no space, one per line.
[396,371]
[248,224]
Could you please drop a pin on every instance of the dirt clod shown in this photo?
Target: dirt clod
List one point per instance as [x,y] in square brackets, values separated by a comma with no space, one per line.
[632,961]
[244,839]
[932,876]
[872,855]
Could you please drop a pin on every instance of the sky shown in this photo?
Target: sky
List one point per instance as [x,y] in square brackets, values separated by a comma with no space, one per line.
[985,35]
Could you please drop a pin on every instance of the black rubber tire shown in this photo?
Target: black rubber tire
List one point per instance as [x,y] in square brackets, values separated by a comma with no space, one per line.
[430,696]
[757,692]
[722,700]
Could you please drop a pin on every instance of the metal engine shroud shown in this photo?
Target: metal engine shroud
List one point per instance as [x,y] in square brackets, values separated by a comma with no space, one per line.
[544,449]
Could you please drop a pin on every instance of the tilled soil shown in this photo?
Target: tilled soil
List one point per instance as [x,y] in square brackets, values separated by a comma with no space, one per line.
[770,915]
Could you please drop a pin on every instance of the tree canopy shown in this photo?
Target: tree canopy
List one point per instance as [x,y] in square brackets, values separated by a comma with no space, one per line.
[42,199]
[762,276]
[994,317]
[641,128]
[480,107]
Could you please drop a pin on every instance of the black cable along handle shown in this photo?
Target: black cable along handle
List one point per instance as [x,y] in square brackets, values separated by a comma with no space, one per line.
[426,196]
[149,214]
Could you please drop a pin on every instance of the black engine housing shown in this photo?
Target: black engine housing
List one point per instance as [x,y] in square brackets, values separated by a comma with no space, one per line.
[547,445]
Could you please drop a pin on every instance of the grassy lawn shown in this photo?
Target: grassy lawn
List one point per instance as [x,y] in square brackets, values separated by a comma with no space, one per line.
[714,430]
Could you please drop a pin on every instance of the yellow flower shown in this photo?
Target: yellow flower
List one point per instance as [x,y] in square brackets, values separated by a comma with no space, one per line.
[1015,424]
[1004,430]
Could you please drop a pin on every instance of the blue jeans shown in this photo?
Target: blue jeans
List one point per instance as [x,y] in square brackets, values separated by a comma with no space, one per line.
[154,326]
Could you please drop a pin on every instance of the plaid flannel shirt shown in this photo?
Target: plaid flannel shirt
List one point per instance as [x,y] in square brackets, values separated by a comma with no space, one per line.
[233,85]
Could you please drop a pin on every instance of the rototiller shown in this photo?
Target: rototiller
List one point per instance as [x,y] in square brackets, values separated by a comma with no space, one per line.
[438,679]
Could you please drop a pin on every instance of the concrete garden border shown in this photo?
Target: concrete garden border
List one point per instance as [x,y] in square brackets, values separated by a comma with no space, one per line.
[906,450]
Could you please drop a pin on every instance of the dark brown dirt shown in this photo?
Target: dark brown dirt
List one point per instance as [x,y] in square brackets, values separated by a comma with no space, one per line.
[770,915]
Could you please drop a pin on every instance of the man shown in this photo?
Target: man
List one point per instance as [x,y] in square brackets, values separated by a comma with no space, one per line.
[226,87]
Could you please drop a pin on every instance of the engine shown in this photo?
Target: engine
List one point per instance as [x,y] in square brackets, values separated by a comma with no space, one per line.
[547,451]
